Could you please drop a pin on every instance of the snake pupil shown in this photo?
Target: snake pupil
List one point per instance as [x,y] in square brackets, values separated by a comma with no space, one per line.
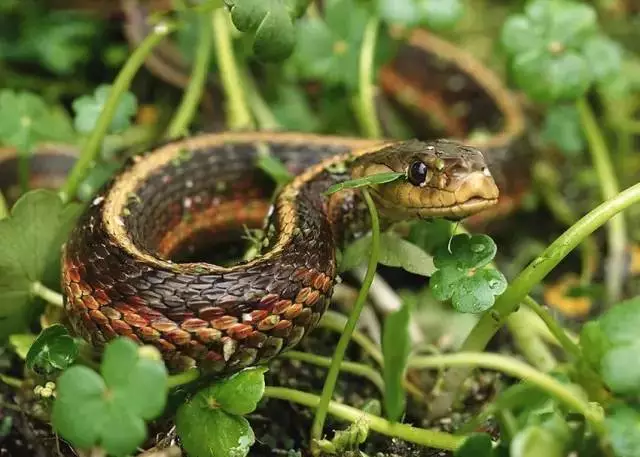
[418,173]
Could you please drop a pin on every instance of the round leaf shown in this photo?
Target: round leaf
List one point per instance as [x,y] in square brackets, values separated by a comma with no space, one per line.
[536,441]
[620,369]
[623,427]
[207,432]
[238,394]
[477,445]
[604,56]
[54,349]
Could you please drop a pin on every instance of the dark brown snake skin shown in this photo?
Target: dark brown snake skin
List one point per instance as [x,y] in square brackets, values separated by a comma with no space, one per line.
[129,268]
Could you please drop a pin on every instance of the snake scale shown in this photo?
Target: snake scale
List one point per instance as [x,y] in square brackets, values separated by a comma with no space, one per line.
[117,268]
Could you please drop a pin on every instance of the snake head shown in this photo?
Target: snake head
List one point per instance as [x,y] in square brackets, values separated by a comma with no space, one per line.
[442,179]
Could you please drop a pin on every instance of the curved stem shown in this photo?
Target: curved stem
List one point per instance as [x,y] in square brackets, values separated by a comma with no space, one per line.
[366,97]
[616,228]
[346,366]
[416,435]
[343,342]
[120,85]
[180,123]
[238,113]
[4,208]
[518,369]
[48,295]
[572,348]
[519,288]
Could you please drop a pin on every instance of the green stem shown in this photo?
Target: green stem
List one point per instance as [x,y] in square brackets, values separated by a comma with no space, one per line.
[518,369]
[572,348]
[48,295]
[239,116]
[424,437]
[519,288]
[120,85]
[366,97]
[260,109]
[332,320]
[186,111]
[617,230]
[343,342]
[358,369]
[185,377]
[4,209]
[11,381]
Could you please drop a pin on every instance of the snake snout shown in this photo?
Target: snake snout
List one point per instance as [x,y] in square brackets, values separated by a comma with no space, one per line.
[478,186]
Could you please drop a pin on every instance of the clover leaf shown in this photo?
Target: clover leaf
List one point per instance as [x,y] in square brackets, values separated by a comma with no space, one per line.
[435,14]
[623,428]
[211,423]
[25,119]
[271,22]
[462,276]
[54,349]
[30,241]
[89,107]
[562,128]
[328,49]
[553,55]
[110,409]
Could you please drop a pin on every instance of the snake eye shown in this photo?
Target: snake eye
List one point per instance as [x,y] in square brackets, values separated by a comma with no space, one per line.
[418,173]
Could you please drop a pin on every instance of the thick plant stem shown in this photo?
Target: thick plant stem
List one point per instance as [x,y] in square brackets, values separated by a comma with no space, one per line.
[261,111]
[616,228]
[518,369]
[343,342]
[120,85]
[366,96]
[184,115]
[238,114]
[424,437]
[185,377]
[48,295]
[519,288]
[336,322]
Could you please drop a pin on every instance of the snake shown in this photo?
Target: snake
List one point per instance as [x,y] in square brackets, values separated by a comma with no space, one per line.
[128,267]
[149,256]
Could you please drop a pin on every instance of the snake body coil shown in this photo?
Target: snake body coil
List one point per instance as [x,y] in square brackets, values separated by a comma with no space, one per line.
[127,266]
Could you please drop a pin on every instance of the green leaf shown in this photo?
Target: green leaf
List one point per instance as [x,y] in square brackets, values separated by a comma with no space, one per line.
[30,242]
[562,128]
[431,234]
[271,22]
[292,109]
[536,441]
[110,410]
[366,181]
[25,119]
[54,349]
[436,14]
[21,343]
[394,252]
[329,49]
[604,56]
[620,369]
[546,49]
[238,394]
[476,445]
[594,344]
[273,167]
[461,275]
[623,428]
[207,432]
[89,107]
[396,347]
[620,324]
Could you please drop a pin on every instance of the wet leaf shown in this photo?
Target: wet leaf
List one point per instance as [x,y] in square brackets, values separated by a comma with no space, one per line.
[462,275]
[54,349]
